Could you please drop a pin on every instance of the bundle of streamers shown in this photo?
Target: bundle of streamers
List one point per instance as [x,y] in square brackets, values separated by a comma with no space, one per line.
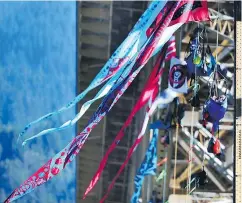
[118,65]
[148,36]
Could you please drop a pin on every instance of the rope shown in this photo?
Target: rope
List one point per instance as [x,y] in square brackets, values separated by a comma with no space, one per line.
[217,30]
[216,56]
[191,152]
[174,188]
[191,136]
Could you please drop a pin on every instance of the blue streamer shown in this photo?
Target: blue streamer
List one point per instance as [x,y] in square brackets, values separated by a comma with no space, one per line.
[148,166]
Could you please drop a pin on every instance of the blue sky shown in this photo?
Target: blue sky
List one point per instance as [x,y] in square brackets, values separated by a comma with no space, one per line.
[37,75]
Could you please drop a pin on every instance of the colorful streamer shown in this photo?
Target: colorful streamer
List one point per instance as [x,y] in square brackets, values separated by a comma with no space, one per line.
[121,74]
[120,58]
[161,176]
[148,166]
[160,125]
[55,165]
[186,10]
[162,162]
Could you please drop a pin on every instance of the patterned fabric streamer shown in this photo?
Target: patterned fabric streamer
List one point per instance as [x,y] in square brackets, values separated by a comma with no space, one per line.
[171,51]
[120,75]
[162,162]
[148,166]
[121,57]
[189,11]
[186,11]
[161,176]
[65,156]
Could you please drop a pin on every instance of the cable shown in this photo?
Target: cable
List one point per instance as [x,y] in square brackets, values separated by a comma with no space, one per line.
[217,31]
[216,56]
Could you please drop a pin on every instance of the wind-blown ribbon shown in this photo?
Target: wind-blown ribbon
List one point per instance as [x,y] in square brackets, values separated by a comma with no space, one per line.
[122,73]
[55,165]
[120,58]
[186,11]
[162,162]
[148,166]
[161,175]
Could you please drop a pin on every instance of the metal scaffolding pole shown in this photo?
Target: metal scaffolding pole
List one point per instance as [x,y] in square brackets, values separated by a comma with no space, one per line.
[238,96]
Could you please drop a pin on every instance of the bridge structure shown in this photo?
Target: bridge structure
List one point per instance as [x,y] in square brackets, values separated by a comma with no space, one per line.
[103,25]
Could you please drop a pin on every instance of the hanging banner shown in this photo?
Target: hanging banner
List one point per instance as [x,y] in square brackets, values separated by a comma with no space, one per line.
[178,76]
[119,60]
[148,166]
